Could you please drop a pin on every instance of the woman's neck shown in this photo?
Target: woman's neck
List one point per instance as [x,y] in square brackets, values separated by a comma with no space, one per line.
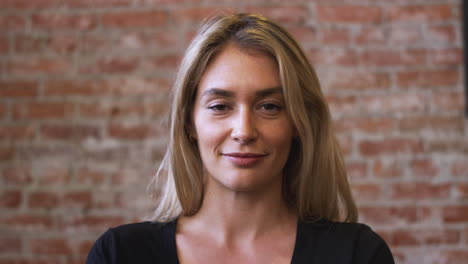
[230,217]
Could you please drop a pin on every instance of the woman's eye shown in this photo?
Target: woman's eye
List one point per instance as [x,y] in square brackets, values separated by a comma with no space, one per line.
[218,107]
[270,107]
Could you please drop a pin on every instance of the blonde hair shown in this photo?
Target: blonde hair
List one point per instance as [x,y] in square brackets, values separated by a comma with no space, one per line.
[315,182]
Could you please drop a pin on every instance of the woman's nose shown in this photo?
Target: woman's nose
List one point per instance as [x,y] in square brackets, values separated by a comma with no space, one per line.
[244,127]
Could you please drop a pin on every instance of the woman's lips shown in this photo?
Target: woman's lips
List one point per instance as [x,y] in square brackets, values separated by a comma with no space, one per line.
[244,159]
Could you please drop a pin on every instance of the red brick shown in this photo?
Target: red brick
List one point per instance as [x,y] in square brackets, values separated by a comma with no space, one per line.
[50,246]
[54,21]
[48,176]
[85,175]
[69,132]
[43,200]
[366,191]
[137,131]
[33,260]
[448,101]
[393,103]
[305,35]
[95,222]
[4,45]
[424,167]
[16,175]
[80,199]
[27,4]
[420,190]
[367,125]
[399,35]
[356,170]
[18,88]
[283,14]
[404,238]
[125,177]
[342,105]
[390,146]
[419,13]
[333,56]
[455,214]
[195,15]
[346,144]
[3,111]
[176,2]
[335,36]
[370,35]
[16,132]
[78,259]
[161,63]
[85,246]
[162,39]
[26,67]
[12,22]
[448,145]
[418,237]
[141,86]
[51,110]
[349,13]
[460,168]
[108,153]
[76,87]
[10,245]
[387,169]
[107,200]
[352,80]
[390,215]
[63,44]
[98,3]
[112,65]
[10,199]
[7,153]
[441,34]
[135,19]
[428,78]
[107,109]
[446,56]
[382,58]
[27,221]
[29,44]
[142,42]
[158,108]
[454,256]
[461,190]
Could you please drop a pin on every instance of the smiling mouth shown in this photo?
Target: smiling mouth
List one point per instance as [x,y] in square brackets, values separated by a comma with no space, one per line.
[244,159]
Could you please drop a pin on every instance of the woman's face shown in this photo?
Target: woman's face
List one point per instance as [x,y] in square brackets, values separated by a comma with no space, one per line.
[240,121]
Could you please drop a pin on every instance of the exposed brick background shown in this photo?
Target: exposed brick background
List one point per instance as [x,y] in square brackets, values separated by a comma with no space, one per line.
[84,88]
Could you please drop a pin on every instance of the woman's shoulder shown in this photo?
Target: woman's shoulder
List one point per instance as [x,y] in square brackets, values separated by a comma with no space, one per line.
[142,242]
[339,242]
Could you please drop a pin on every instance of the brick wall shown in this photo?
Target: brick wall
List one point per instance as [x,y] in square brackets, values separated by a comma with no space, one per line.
[84,88]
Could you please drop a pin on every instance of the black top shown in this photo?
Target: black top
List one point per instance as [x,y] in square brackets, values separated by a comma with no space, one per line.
[318,242]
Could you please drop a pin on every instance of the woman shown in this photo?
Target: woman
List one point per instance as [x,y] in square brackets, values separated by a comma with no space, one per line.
[253,172]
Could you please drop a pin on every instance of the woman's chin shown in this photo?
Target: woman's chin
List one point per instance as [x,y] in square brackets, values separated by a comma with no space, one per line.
[243,182]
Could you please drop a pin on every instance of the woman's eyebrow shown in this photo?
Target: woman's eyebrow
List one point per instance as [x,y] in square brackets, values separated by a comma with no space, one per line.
[269,91]
[217,92]
[225,93]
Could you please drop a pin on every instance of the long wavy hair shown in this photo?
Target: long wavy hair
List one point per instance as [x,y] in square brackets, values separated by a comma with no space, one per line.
[315,184]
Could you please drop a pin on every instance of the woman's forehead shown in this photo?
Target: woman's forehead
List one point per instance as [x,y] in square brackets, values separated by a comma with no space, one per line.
[233,68]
